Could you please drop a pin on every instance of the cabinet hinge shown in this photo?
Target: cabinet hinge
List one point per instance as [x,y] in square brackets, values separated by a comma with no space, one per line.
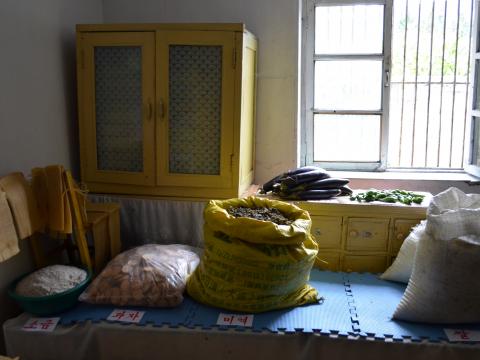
[234,59]
[231,162]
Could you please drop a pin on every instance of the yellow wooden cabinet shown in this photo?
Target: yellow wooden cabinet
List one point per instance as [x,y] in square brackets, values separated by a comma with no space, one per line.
[360,237]
[167,109]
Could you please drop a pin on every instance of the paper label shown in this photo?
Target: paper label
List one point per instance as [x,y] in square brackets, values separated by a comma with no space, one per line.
[129,316]
[41,324]
[462,335]
[235,320]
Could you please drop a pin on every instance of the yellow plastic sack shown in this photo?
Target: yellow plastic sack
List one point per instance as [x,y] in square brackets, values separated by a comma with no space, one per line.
[253,265]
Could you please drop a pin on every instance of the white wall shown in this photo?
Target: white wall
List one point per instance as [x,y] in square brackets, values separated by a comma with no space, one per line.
[37,97]
[275,23]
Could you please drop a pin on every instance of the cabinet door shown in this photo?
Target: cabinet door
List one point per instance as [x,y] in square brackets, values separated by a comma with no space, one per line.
[195,101]
[117,107]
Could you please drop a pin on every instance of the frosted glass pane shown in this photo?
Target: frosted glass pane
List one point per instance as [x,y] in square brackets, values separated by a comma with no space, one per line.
[346,138]
[348,84]
[352,29]
[118,108]
[195,94]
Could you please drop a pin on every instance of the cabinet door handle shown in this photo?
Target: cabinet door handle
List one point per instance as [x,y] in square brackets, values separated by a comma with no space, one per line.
[161,109]
[353,233]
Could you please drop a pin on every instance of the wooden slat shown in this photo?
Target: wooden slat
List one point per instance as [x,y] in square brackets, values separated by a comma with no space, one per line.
[79,226]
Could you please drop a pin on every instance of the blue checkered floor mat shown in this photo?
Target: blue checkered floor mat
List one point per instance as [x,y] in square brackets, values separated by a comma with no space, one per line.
[353,304]
[330,315]
[174,317]
[375,301]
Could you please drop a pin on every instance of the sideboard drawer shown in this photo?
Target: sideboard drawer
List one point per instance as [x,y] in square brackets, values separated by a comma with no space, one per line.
[368,234]
[327,231]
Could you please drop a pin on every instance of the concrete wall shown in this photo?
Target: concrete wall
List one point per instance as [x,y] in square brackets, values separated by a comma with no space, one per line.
[275,23]
[37,98]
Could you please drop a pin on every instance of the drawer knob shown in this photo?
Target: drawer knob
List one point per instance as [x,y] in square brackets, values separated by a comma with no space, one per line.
[400,236]
[353,233]
[317,232]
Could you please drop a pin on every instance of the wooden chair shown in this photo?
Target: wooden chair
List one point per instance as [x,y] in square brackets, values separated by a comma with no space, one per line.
[104,227]
[67,242]
[95,231]
[99,220]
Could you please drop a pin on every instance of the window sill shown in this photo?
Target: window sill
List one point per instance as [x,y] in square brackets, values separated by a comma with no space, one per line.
[432,182]
[408,175]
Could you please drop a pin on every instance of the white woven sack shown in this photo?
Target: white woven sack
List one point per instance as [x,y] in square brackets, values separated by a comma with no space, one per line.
[453,213]
[443,287]
[401,269]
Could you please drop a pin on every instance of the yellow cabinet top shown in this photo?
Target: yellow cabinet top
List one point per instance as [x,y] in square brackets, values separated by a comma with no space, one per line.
[240,27]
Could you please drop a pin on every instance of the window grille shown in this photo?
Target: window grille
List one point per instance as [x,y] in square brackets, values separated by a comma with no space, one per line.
[429,86]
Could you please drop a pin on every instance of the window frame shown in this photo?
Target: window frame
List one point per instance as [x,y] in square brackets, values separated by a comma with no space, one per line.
[474,113]
[307,90]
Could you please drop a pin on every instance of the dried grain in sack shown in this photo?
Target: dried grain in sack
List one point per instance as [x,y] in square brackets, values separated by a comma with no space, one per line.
[254,265]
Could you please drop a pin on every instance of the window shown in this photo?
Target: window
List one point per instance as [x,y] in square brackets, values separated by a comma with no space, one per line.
[386,84]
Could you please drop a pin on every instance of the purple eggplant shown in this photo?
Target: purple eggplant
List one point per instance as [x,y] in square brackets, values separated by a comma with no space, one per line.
[345,191]
[301,170]
[268,186]
[302,178]
[316,194]
[329,183]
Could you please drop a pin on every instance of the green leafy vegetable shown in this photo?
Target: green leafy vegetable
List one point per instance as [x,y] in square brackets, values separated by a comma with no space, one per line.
[389,196]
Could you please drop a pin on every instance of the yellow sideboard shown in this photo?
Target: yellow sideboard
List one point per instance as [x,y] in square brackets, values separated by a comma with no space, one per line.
[360,237]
